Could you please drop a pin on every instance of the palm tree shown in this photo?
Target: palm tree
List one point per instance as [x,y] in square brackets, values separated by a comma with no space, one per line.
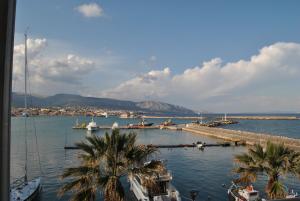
[275,161]
[103,161]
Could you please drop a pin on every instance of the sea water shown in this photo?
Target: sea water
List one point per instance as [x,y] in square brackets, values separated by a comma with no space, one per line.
[205,171]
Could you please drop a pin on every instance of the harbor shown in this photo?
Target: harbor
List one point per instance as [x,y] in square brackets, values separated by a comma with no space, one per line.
[192,167]
[210,129]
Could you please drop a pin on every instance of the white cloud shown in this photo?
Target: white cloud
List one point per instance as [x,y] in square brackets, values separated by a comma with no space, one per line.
[226,83]
[267,81]
[90,10]
[142,87]
[48,75]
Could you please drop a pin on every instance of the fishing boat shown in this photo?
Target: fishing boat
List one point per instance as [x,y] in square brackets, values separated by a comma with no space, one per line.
[248,193]
[160,188]
[240,193]
[168,123]
[92,126]
[23,189]
[144,123]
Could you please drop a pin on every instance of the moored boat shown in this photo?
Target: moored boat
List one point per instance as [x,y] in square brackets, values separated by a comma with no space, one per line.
[168,123]
[144,123]
[159,189]
[248,193]
[23,189]
[92,126]
[200,145]
[241,193]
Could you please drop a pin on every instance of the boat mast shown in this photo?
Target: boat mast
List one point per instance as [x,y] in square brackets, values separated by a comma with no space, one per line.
[201,119]
[25,102]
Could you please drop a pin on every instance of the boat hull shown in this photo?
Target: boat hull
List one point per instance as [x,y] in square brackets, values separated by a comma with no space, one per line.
[27,192]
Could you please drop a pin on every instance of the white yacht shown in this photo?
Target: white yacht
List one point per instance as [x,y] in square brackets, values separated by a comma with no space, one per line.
[92,126]
[23,189]
[162,190]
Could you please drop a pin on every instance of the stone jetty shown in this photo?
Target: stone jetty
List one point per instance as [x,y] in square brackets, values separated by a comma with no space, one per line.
[264,117]
[250,138]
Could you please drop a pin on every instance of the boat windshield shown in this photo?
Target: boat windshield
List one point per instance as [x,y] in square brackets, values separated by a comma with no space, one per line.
[159,189]
[253,194]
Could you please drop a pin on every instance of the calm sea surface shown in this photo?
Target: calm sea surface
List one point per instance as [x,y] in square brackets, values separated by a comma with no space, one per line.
[192,169]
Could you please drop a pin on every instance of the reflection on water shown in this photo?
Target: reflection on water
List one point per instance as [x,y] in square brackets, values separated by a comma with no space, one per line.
[192,169]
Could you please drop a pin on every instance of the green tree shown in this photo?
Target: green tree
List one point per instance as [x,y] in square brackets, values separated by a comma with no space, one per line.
[275,160]
[103,161]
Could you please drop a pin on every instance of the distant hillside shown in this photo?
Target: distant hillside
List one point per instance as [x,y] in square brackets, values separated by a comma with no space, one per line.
[63,100]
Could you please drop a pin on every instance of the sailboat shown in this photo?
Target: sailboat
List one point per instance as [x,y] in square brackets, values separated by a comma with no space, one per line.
[24,189]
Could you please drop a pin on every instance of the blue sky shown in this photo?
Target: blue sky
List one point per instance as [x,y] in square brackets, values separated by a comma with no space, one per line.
[127,40]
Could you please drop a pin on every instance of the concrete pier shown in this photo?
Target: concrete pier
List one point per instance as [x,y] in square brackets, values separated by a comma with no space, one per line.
[264,117]
[250,138]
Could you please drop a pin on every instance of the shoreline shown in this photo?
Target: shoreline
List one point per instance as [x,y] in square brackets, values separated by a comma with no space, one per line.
[250,138]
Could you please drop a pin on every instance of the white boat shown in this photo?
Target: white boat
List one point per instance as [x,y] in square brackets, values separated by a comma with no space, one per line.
[92,126]
[200,145]
[24,189]
[239,193]
[161,190]
[248,193]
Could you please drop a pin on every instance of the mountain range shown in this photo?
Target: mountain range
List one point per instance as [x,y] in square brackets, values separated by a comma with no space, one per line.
[64,100]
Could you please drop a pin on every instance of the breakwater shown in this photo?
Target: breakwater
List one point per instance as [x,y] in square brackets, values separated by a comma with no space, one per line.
[264,117]
[249,138]
[174,117]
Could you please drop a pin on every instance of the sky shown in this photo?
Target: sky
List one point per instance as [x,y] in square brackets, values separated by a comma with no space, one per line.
[214,55]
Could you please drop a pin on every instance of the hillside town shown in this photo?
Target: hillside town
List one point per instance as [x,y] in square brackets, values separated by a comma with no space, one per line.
[75,111]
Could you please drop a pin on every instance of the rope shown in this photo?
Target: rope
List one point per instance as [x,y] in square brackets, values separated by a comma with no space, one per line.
[34,126]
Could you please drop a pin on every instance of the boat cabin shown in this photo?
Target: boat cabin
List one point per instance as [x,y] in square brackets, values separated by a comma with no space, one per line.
[249,194]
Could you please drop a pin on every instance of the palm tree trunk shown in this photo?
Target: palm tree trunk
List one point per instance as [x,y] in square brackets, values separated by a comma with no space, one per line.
[274,188]
[114,190]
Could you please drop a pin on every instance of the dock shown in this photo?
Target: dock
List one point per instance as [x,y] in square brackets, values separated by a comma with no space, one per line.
[171,146]
[105,127]
[249,138]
